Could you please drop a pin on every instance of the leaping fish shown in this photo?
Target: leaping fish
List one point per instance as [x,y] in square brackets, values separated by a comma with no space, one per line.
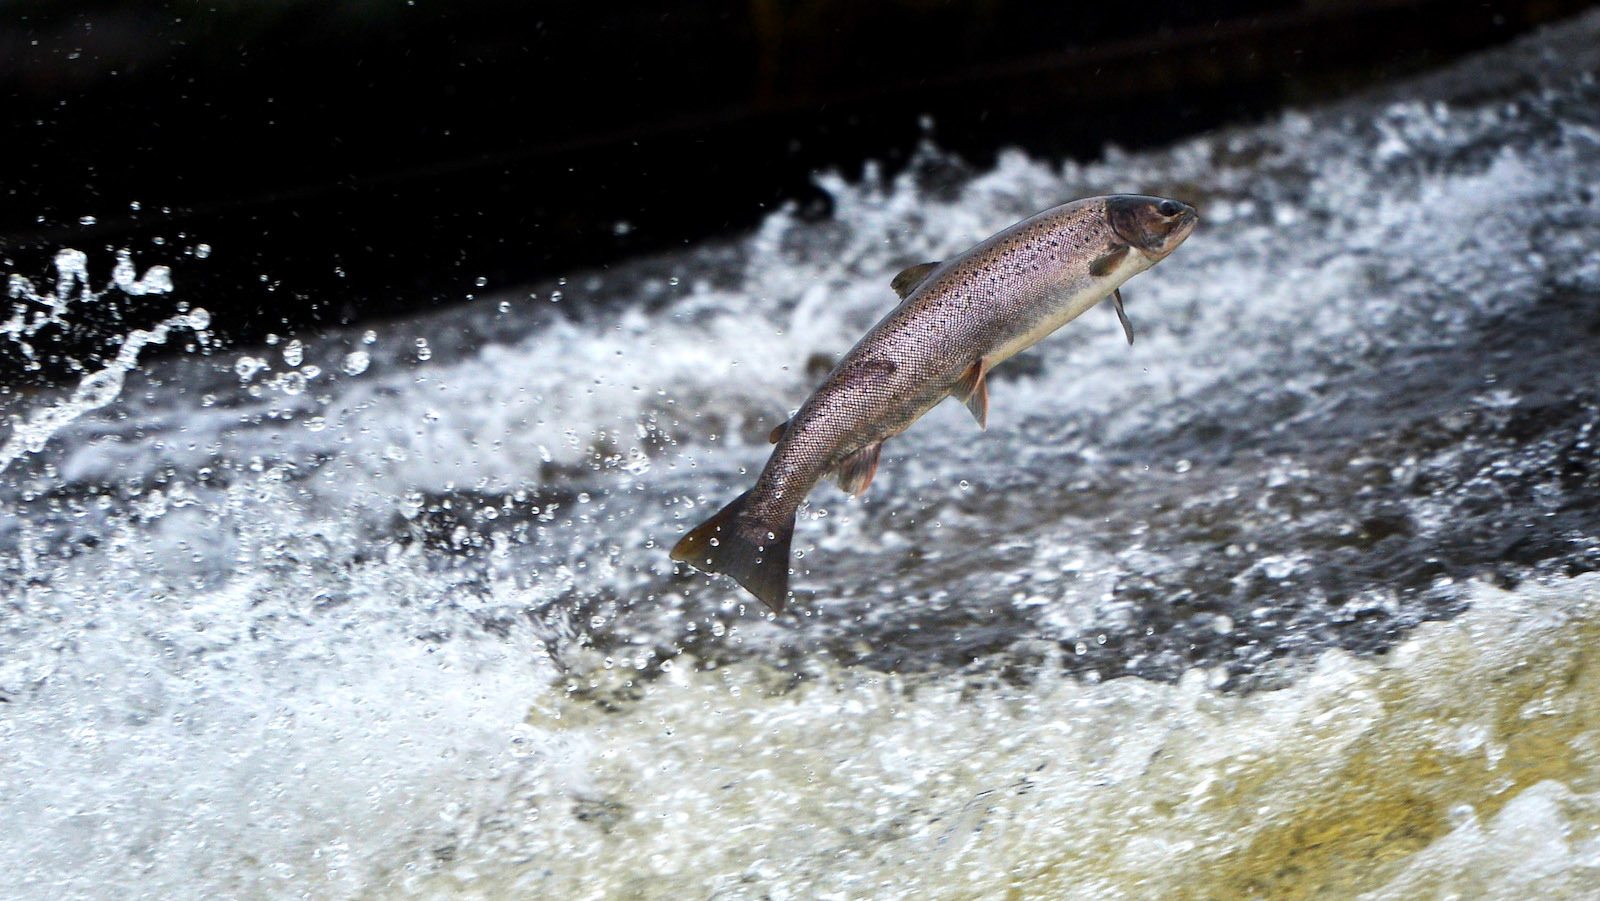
[956,320]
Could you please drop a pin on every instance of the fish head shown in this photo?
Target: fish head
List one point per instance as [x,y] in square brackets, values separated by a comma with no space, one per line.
[1154,225]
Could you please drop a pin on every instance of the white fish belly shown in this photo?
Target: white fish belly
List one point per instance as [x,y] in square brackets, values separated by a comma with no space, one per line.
[1062,309]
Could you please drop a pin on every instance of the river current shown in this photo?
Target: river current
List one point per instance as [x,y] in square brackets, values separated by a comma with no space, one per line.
[1292,598]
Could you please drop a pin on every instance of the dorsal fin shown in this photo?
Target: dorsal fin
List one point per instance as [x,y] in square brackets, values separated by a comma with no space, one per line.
[910,277]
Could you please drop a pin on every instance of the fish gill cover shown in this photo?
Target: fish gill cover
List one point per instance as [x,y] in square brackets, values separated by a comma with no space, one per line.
[389,612]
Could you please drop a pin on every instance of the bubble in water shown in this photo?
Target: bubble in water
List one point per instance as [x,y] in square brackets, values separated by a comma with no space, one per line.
[524,740]
[424,352]
[201,251]
[356,362]
[294,352]
[87,220]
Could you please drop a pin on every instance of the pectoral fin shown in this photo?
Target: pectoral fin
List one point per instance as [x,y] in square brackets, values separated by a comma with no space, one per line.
[1107,262]
[856,471]
[910,277]
[1122,316]
[777,432]
[973,390]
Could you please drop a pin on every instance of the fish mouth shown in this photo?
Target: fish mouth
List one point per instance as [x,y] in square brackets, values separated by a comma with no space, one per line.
[1180,231]
[1186,225]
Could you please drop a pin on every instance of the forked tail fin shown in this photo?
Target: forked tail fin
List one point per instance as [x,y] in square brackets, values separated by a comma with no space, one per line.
[753,552]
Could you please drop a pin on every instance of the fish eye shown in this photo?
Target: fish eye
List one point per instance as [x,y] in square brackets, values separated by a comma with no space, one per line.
[1169,208]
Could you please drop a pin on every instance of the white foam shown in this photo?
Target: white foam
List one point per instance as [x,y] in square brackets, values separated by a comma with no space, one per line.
[294,730]
[1364,775]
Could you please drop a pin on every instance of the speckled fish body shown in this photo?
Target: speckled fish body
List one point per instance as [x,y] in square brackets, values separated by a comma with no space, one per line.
[957,320]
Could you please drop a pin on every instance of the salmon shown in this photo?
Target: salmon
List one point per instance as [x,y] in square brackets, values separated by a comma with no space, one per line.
[956,321]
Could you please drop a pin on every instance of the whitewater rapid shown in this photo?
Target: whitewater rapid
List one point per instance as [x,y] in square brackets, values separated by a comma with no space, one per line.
[1290,599]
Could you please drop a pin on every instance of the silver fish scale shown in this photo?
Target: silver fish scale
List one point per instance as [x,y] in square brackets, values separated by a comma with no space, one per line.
[970,306]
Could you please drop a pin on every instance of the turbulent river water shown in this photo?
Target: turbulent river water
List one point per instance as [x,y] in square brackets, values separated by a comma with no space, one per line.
[1289,599]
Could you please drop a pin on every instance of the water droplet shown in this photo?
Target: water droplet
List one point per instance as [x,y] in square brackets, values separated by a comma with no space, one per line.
[246,367]
[356,362]
[87,220]
[201,251]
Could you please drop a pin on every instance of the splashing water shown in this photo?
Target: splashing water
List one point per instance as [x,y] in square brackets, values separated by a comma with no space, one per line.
[100,387]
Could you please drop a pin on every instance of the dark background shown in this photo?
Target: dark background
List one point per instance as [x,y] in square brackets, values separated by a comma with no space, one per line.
[353,158]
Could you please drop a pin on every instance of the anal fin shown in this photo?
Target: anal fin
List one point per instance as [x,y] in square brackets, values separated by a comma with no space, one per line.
[973,390]
[856,471]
